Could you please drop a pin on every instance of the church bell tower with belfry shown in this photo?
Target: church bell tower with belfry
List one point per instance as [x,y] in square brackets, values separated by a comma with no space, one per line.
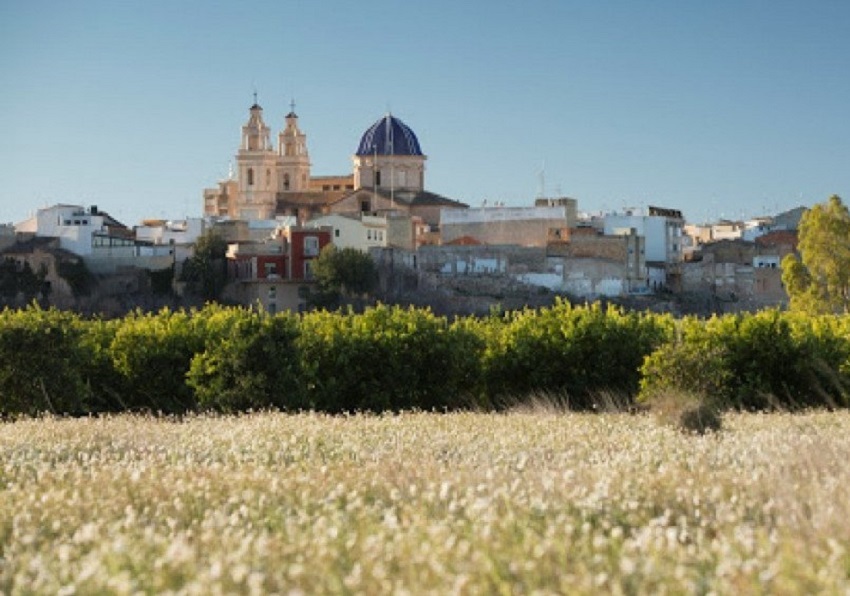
[257,166]
[293,161]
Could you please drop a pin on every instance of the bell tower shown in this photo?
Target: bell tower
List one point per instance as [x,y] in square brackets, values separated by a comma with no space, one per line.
[293,161]
[257,172]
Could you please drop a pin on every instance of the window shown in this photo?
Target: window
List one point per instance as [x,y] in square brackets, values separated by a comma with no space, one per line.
[364,206]
[378,178]
[368,234]
[311,246]
[308,270]
[336,233]
[250,176]
[270,269]
[286,182]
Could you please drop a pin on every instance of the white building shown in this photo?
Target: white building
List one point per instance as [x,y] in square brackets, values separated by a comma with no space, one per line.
[664,242]
[726,230]
[157,231]
[74,226]
[104,243]
[661,229]
[361,231]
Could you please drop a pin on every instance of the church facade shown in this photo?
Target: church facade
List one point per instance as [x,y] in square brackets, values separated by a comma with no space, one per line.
[388,176]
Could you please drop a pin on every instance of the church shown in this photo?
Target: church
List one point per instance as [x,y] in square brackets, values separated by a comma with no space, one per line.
[388,177]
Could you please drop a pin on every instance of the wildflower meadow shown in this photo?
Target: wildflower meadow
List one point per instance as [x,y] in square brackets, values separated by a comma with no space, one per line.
[531,500]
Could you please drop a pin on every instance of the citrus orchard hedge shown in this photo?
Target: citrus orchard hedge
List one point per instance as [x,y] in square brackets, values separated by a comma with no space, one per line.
[390,358]
[758,361]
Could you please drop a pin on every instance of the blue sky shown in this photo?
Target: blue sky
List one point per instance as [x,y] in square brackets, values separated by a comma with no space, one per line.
[720,109]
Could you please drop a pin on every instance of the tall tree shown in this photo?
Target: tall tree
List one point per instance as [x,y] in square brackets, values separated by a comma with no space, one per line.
[341,274]
[206,271]
[818,281]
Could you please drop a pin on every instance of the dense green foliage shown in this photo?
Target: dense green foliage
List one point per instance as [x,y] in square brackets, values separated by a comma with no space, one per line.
[78,276]
[755,361]
[341,274]
[819,280]
[387,359]
[153,353]
[20,280]
[205,273]
[390,358]
[250,362]
[40,358]
[576,353]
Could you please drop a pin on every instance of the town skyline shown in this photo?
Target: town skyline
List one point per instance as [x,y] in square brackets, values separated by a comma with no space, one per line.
[723,111]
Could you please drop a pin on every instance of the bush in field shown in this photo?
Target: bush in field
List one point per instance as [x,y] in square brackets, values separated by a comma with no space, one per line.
[752,361]
[40,359]
[153,352]
[688,412]
[250,362]
[387,358]
[578,352]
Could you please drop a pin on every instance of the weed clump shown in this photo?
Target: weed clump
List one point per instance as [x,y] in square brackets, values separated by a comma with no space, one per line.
[690,413]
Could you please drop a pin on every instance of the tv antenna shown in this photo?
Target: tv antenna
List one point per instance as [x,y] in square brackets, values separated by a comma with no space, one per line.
[542,181]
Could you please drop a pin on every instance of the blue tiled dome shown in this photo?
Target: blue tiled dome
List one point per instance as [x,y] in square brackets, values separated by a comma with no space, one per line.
[389,136]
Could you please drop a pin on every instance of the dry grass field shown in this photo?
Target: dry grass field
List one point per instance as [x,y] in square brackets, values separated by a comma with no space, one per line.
[469,503]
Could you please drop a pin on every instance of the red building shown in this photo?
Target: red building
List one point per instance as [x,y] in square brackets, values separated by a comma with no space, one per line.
[305,244]
[275,272]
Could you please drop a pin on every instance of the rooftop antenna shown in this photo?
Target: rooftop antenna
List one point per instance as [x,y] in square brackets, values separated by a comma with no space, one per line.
[542,177]
[292,105]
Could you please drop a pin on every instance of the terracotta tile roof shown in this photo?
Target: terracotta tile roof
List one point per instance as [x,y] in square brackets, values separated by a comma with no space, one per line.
[778,238]
[464,241]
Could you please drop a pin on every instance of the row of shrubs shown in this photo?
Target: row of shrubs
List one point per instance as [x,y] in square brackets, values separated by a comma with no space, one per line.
[389,358]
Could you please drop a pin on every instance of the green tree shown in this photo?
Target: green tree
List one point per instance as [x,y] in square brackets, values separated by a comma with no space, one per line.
[818,281]
[340,274]
[78,276]
[21,280]
[206,271]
